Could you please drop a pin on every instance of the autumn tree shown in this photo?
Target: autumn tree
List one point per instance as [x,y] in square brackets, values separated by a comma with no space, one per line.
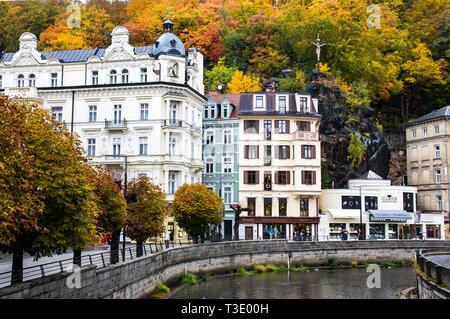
[147,210]
[241,82]
[111,205]
[296,83]
[219,75]
[46,200]
[195,207]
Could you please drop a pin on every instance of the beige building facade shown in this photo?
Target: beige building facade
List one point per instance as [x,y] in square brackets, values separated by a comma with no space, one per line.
[427,152]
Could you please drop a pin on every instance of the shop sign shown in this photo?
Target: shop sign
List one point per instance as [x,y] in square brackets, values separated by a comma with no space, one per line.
[380,219]
[389,199]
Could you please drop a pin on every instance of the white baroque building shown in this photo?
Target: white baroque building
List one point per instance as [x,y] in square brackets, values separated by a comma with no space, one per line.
[140,105]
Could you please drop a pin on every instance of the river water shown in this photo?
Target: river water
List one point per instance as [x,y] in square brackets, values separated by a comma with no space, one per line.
[331,283]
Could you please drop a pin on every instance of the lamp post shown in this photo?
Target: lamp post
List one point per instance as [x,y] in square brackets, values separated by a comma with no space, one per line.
[361,232]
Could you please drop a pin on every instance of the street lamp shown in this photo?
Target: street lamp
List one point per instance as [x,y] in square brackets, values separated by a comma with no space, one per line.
[361,232]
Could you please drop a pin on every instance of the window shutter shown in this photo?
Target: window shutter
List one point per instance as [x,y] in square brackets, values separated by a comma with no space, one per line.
[246,125]
[257,177]
[246,147]
[313,177]
[277,151]
[257,126]
[308,126]
[257,151]
[303,177]
[293,151]
[288,177]
[313,151]
[276,178]
[245,177]
[276,124]
[303,152]
[287,126]
[288,151]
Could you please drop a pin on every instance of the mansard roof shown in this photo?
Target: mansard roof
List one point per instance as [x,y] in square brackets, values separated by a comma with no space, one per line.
[442,113]
[234,100]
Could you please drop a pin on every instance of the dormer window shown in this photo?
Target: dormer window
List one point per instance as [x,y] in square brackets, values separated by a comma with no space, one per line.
[124,76]
[20,81]
[53,79]
[225,110]
[32,80]
[282,104]
[304,105]
[113,77]
[212,111]
[95,77]
[144,75]
[259,102]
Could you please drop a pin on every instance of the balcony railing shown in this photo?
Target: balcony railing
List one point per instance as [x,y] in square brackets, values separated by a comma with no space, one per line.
[116,125]
[310,136]
[173,123]
[195,129]
[267,160]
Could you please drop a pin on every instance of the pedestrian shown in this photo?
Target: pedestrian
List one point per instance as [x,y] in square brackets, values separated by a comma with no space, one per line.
[270,231]
[167,240]
[275,232]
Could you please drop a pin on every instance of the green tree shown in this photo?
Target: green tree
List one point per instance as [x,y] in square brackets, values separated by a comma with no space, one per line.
[219,75]
[356,150]
[195,207]
[49,163]
[293,84]
[147,210]
[112,207]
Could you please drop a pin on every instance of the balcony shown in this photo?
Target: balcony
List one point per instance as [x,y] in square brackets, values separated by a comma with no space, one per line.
[120,125]
[195,129]
[172,123]
[307,136]
[267,160]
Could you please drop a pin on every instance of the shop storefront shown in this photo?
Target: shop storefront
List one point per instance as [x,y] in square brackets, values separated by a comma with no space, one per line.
[387,224]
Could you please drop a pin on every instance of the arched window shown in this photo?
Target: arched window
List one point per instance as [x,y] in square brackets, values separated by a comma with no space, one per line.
[113,77]
[21,81]
[31,80]
[124,76]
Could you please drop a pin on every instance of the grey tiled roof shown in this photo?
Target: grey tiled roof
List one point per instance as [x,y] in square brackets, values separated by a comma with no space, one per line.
[68,56]
[441,113]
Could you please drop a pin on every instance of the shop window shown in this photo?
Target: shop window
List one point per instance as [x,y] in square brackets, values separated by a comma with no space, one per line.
[377,231]
[336,230]
[351,202]
[272,231]
[408,202]
[371,202]
[393,231]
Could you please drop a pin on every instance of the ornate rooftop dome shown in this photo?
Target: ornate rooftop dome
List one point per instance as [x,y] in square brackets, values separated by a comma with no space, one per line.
[168,43]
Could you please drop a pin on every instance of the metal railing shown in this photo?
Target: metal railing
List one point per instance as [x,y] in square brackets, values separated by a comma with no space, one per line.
[121,124]
[100,260]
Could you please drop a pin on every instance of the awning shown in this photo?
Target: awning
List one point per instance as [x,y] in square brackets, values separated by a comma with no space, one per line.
[389,215]
[344,213]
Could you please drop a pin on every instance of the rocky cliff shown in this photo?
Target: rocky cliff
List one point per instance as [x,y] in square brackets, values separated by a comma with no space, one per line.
[339,122]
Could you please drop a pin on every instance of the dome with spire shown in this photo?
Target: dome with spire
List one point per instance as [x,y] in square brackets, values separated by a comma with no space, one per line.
[168,43]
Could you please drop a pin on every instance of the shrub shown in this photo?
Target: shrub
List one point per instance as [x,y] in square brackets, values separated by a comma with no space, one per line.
[300,268]
[354,264]
[260,268]
[243,272]
[332,261]
[189,279]
[206,277]
[271,267]
[161,289]
[387,263]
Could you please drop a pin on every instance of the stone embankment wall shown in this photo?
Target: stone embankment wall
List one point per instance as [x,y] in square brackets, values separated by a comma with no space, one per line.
[138,277]
[433,279]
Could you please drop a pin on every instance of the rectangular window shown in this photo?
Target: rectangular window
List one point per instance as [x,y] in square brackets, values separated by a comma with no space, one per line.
[227,137]
[408,202]
[225,110]
[116,145]
[1,81]
[57,113]
[172,145]
[267,180]
[94,77]
[251,151]
[351,202]
[227,164]
[227,195]
[282,207]
[172,182]
[53,79]
[117,114]
[143,145]
[308,151]
[414,133]
[251,126]
[282,104]
[436,129]
[209,166]
[304,207]
[212,111]
[209,137]
[304,105]
[92,113]
[251,177]
[144,111]
[304,126]
[437,151]
[283,177]
[283,152]
[424,131]
[206,112]
[267,206]
[282,127]
[437,176]
[308,177]
[371,202]
[251,205]
[91,146]
[143,74]
[439,203]
[259,102]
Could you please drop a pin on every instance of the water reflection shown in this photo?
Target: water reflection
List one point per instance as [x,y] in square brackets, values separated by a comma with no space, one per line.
[336,283]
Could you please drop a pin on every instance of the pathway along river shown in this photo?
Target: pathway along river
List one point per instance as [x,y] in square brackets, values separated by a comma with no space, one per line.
[332,283]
